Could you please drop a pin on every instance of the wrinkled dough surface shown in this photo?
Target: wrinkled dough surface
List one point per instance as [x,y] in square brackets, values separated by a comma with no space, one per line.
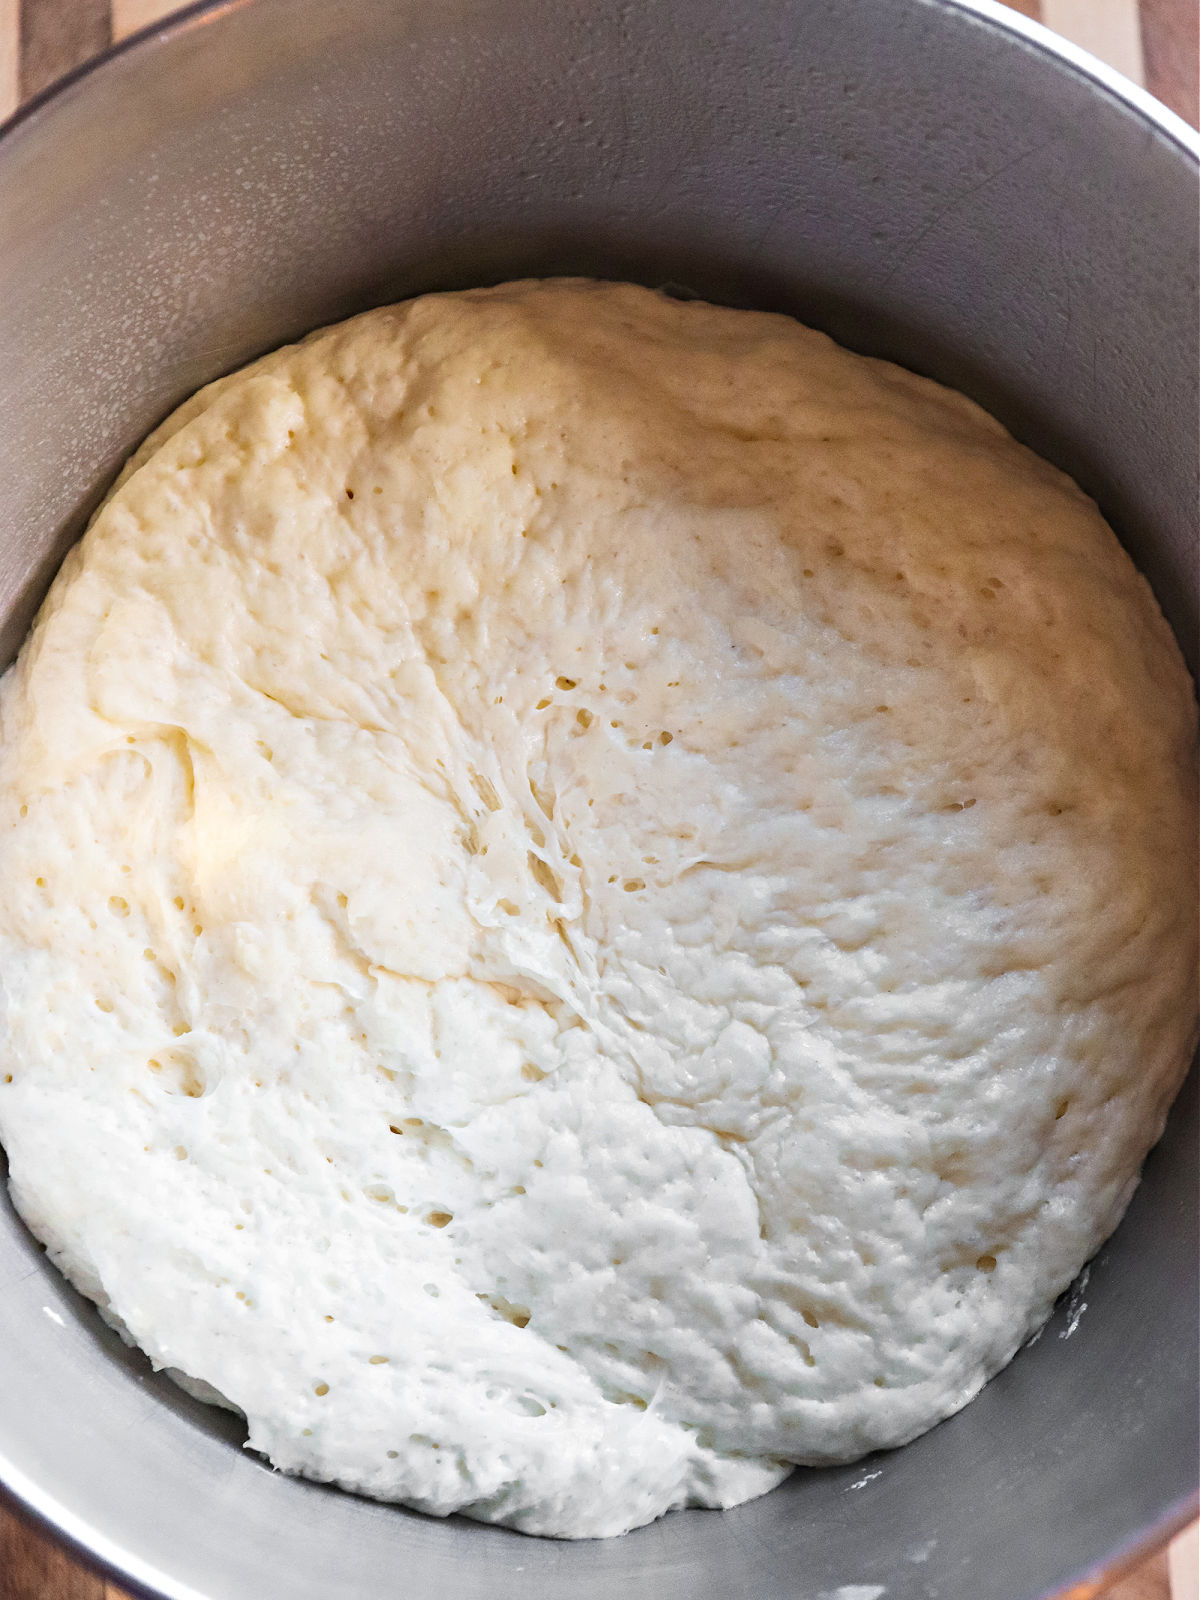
[597,901]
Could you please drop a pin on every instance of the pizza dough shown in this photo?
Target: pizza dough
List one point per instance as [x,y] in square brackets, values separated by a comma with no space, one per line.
[598,900]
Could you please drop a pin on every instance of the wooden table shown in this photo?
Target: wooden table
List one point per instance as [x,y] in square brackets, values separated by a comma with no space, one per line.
[1153,41]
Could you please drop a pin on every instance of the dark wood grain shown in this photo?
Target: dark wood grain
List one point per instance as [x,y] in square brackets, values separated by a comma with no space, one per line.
[58,35]
[1171,48]
[32,1568]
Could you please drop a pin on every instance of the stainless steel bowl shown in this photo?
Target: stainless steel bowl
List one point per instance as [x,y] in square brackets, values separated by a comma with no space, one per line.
[929,180]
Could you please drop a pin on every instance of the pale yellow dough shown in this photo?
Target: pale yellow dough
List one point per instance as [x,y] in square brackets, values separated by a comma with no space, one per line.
[598,898]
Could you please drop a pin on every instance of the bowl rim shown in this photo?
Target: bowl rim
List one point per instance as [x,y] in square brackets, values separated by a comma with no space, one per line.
[23,1497]
[993,13]
[1086,65]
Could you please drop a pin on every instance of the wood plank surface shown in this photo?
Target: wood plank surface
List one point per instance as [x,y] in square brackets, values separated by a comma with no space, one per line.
[130,15]
[42,39]
[57,36]
[1110,29]
[1171,49]
[10,71]
[32,1568]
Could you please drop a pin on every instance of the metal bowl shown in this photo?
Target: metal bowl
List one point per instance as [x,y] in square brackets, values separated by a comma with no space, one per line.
[929,180]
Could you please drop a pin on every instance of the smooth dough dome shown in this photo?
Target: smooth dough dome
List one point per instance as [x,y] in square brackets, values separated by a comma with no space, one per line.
[597,901]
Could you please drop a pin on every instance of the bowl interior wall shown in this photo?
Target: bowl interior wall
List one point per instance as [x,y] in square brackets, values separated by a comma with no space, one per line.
[902,173]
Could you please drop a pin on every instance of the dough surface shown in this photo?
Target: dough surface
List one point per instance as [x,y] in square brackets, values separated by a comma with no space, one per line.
[597,900]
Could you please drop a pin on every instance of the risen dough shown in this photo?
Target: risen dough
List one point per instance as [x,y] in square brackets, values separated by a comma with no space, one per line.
[597,900]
